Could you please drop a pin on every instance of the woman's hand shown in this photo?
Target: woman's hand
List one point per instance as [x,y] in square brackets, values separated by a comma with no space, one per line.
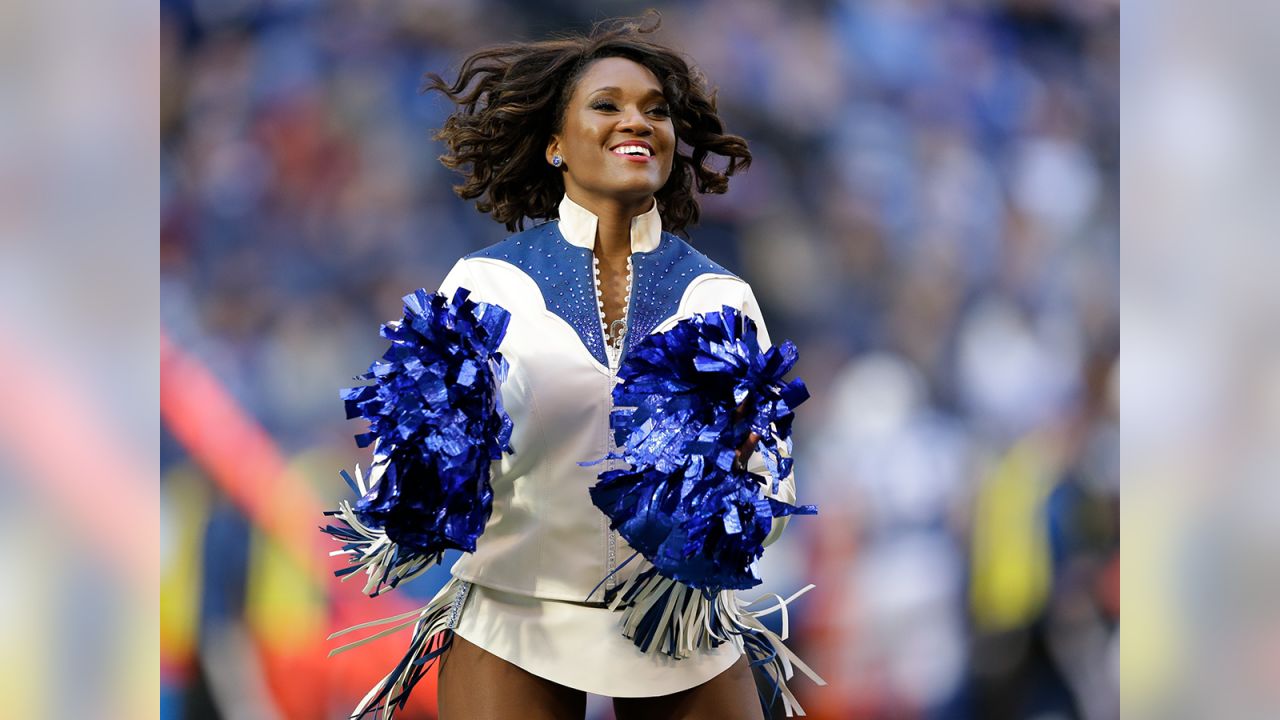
[744,451]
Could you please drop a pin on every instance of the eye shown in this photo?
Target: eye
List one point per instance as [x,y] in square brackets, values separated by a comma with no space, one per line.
[604,105]
[661,111]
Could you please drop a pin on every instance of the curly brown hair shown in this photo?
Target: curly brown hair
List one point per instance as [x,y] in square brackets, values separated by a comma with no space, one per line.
[511,98]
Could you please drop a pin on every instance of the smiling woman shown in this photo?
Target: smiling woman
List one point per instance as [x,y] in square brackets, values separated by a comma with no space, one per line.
[512,98]
[605,139]
[616,138]
[615,145]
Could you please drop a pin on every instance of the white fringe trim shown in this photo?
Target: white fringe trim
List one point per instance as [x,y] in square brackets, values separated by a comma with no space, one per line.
[432,633]
[377,555]
[688,622]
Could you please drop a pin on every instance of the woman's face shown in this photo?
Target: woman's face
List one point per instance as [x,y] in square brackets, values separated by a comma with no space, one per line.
[617,140]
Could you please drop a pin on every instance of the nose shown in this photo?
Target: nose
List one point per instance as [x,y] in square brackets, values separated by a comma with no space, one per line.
[635,121]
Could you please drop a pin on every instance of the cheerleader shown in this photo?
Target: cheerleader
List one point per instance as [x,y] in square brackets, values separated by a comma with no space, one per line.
[602,141]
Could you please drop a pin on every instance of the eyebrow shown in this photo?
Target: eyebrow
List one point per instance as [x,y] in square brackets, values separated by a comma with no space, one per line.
[611,88]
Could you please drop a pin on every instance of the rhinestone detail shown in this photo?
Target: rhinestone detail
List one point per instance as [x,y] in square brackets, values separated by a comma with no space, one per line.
[563,274]
[455,608]
[660,278]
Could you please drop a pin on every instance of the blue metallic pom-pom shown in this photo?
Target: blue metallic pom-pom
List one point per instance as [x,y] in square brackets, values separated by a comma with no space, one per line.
[687,399]
[436,422]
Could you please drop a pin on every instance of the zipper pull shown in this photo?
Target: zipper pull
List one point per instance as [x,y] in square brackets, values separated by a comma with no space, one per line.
[617,333]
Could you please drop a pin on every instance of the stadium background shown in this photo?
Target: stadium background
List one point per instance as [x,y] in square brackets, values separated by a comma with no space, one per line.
[931,216]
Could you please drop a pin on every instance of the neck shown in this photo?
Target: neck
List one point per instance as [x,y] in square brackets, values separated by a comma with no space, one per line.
[613,223]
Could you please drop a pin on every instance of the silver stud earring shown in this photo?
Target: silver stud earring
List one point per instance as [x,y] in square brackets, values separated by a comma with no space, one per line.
[557,160]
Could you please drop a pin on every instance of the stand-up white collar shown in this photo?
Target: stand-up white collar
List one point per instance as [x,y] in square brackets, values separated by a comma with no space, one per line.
[578,226]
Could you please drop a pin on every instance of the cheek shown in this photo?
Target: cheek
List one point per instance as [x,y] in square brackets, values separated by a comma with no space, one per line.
[579,133]
[594,131]
[588,143]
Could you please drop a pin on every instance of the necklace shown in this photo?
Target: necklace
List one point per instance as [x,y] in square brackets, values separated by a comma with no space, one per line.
[614,333]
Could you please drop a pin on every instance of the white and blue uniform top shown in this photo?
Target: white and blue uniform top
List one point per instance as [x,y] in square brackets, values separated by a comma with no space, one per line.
[544,538]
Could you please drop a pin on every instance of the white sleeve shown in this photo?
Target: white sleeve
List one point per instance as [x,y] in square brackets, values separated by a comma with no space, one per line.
[459,276]
[787,486]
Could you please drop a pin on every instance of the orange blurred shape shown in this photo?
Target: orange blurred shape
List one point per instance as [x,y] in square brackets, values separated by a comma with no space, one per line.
[289,621]
[74,455]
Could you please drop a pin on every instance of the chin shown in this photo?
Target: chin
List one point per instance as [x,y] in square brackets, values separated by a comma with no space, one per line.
[633,189]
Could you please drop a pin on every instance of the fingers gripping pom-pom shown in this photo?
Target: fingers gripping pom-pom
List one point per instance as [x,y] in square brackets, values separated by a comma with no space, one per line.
[436,422]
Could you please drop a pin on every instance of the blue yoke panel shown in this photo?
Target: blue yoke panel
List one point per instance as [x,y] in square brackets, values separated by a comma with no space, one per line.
[563,273]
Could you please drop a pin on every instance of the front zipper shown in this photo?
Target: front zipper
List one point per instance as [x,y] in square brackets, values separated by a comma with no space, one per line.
[615,360]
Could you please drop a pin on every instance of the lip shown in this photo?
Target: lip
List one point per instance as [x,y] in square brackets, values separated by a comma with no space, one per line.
[633,158]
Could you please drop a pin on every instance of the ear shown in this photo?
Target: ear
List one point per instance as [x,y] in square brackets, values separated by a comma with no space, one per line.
[553,148]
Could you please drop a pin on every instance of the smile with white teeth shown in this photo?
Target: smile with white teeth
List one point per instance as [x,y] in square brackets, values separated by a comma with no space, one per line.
[632,150]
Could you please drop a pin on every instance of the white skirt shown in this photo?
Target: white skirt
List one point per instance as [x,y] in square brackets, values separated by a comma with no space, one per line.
[582,646]
[577,645]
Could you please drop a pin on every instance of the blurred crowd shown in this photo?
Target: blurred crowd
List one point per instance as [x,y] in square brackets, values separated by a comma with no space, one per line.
[931,215]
